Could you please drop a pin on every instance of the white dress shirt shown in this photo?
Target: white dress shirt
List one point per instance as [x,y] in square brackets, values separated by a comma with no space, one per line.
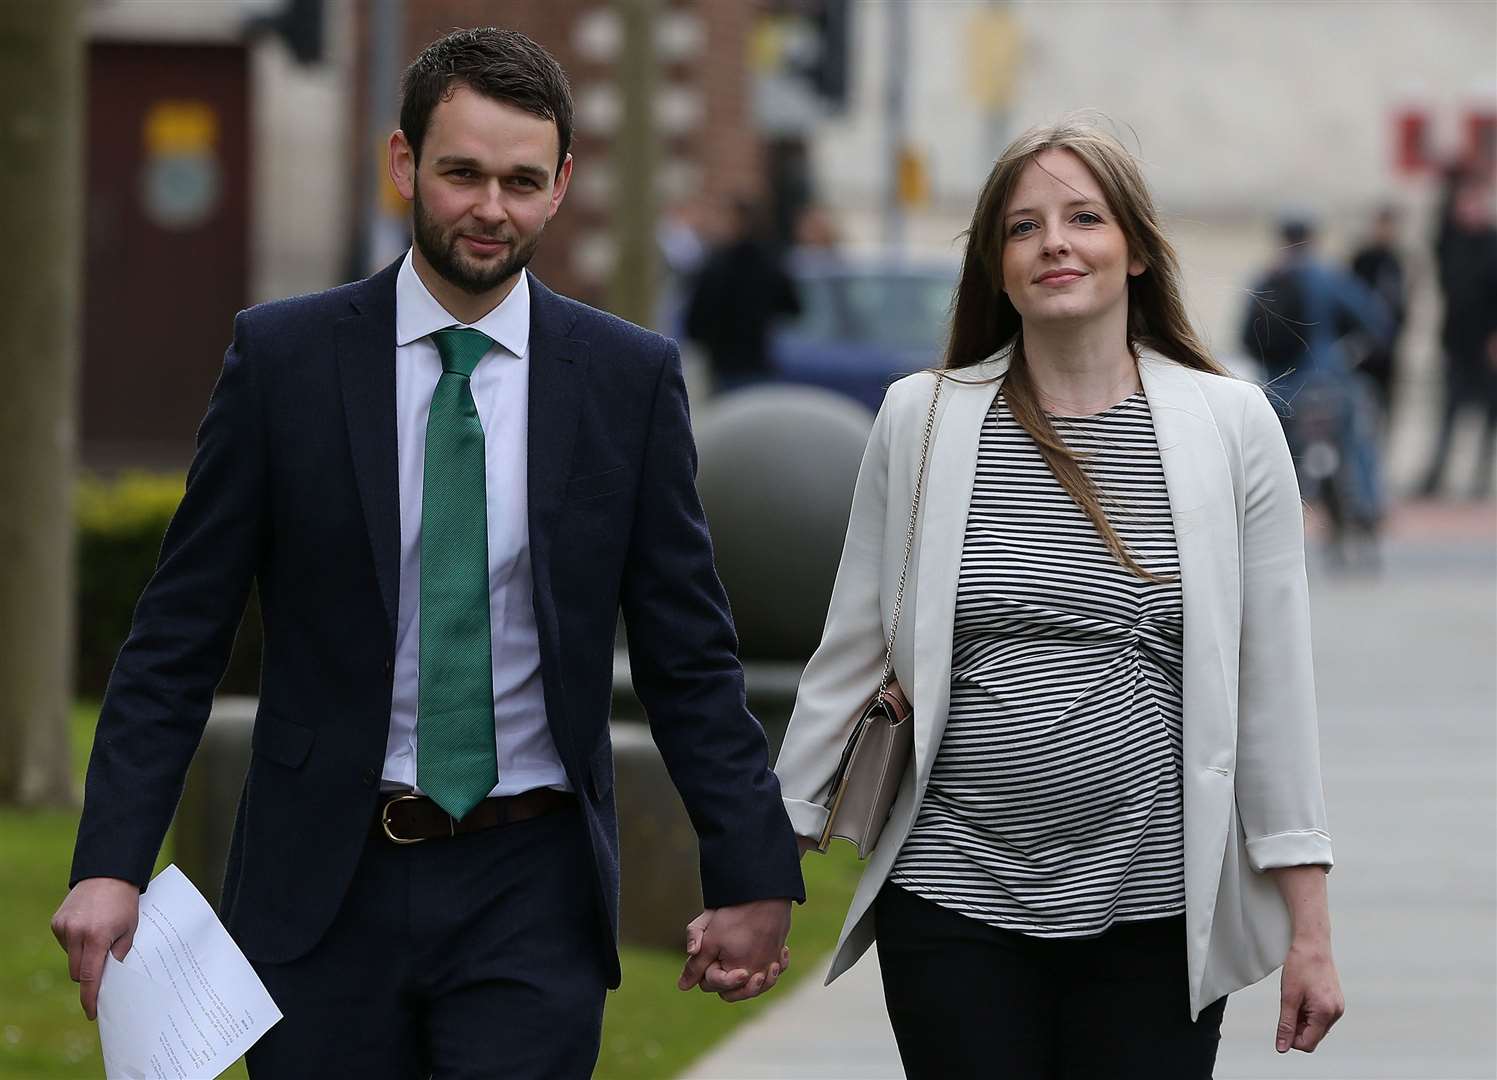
[527,754]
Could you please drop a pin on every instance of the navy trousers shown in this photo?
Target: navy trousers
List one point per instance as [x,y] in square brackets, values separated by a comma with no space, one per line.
[966,999]
[471,956]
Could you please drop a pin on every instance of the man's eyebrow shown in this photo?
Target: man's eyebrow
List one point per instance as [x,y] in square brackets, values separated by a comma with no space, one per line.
[1073,202]
[538,172]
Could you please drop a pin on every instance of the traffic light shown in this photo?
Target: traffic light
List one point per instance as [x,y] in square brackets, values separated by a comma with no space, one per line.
[298,24]
[830,76]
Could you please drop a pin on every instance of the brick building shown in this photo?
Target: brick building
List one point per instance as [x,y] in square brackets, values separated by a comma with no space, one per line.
[708,146]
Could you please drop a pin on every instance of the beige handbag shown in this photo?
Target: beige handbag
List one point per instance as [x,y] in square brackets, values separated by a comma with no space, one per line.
[878,751]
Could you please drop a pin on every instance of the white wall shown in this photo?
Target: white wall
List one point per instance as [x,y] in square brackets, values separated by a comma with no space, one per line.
[1232,106]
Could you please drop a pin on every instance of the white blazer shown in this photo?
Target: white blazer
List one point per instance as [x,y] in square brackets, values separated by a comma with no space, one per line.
[1252,789]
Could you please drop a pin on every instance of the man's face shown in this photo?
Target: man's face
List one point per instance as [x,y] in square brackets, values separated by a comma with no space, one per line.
[484,190]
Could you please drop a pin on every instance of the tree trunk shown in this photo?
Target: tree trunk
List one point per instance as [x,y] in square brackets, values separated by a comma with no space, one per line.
[635,151]
[41,121]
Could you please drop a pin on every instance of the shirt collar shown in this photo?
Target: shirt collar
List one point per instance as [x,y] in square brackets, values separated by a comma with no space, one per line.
[418,314]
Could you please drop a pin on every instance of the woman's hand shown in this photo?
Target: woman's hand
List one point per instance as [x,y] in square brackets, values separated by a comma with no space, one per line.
[1310,998]
[804,844]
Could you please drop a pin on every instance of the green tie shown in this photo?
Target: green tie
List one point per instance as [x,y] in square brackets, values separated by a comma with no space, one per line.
[455,759]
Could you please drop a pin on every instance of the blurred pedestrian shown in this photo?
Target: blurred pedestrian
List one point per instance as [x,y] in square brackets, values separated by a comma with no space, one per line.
[683,245]
[1298,314]
[1379,266]
[740,291]
[1112,817]
[1466,252]
[816,230]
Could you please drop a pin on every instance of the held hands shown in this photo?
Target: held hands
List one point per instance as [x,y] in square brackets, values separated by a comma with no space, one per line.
[1310,998]
[98,916]
[737,952]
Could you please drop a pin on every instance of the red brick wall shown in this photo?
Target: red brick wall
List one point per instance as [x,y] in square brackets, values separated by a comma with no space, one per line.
[724,147]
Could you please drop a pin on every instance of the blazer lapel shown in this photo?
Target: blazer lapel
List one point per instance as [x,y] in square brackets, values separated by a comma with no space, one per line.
[366,368]
[1203,508]
[966,397]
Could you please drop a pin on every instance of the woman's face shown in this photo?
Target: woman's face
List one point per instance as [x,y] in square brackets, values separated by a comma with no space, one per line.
[1064,254]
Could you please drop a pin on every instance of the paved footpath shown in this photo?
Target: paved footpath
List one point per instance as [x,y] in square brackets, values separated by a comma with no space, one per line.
[1407,675]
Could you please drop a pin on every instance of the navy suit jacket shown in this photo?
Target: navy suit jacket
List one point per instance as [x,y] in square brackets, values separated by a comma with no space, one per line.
[293,489]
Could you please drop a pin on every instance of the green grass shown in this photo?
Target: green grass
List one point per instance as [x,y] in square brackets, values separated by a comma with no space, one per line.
[651,1030]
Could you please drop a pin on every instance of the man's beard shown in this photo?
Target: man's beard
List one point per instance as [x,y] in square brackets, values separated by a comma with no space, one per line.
[439,248]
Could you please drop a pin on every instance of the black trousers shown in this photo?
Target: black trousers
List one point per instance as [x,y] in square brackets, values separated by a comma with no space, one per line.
[471,956]
[969,1000]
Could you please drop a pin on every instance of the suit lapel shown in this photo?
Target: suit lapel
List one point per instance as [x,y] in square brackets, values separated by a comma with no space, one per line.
[366,368]
[558,372]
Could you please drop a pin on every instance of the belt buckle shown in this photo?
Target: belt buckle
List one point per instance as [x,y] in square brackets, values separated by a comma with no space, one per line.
[384,820]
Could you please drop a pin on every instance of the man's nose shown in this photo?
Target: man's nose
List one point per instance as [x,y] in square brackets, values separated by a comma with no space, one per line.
[490,208]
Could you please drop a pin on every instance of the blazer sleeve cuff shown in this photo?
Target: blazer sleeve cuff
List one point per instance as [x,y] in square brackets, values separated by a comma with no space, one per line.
[806,819]
[1296,847]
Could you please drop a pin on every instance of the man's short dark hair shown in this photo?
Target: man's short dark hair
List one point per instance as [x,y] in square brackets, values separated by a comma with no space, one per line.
[504,65]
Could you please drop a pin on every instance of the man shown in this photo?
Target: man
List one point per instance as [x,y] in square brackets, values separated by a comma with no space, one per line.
[740,291]
[1296,316]
[1379,266]
[1466,257]
[445,482]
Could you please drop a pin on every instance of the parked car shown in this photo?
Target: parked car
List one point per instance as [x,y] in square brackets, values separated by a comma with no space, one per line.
[864,323]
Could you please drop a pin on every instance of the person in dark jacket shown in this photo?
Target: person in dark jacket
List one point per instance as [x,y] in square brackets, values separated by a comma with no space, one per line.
[1379,266]
[740,291]
[445,483]
[1466,249]
[1296,322]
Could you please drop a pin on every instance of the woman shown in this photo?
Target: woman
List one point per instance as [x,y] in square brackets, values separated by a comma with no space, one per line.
[1113,814]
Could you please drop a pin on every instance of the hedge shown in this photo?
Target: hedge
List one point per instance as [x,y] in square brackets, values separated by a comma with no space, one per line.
[120,526]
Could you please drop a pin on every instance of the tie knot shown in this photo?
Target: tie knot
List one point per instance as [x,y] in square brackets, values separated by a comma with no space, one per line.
[461,349]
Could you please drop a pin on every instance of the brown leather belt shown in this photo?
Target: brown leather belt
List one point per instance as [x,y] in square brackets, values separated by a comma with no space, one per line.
[408,819]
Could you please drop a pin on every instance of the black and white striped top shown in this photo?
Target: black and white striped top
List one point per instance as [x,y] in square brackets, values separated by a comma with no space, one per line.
[1055,806]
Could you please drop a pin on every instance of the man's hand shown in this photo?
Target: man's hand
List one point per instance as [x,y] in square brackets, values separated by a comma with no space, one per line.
[737,952]
[1310,998]
[98,916]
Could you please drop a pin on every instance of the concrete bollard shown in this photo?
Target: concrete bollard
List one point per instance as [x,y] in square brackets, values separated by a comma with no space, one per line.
[778,466]
[661,886]
[205,816]
[771,686]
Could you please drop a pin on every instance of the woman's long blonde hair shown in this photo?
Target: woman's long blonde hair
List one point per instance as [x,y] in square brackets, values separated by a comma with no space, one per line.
[984,320]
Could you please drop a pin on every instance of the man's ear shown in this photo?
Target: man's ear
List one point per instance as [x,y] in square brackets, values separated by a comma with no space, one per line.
[559,187]
[402,163]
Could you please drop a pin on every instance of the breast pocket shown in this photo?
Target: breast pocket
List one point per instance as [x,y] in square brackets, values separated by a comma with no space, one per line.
[598,484]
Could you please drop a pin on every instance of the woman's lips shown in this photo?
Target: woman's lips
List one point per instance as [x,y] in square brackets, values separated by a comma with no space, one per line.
[1056,280]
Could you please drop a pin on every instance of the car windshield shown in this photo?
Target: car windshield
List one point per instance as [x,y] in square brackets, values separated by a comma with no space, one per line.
[900,310]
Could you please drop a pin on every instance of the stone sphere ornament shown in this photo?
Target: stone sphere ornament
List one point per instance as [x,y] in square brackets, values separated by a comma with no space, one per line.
[777,469]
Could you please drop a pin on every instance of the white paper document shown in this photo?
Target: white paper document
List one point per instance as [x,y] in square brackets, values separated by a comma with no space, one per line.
[184,1004]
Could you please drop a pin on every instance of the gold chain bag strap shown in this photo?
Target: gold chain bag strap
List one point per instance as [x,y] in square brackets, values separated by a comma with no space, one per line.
[878,750]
